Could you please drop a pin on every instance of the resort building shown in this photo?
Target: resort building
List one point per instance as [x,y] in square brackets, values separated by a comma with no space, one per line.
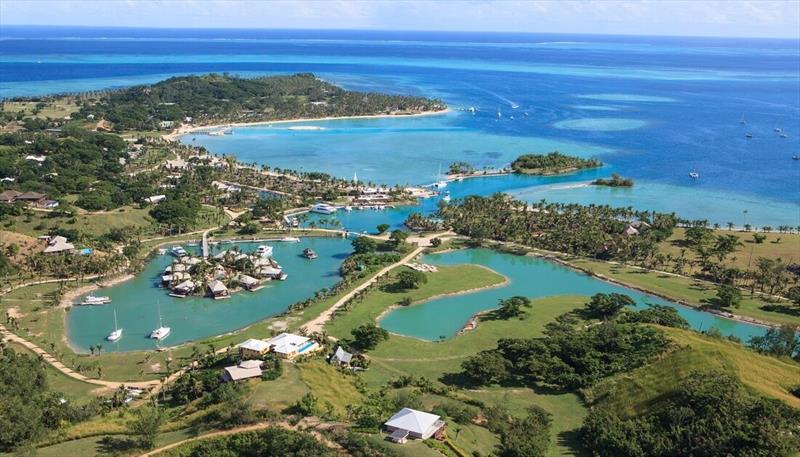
[217,289]
[410,423]
[249,282]
[57,245]
[253,349]
[9,196]
[245,370]
[289,345]
[184,288]
[30,198]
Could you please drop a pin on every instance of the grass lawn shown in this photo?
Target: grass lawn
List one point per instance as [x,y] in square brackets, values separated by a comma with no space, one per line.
[687,290]
[40,222]
[645,388]
[329,385]
[785,246]
[102,446]
[54,109]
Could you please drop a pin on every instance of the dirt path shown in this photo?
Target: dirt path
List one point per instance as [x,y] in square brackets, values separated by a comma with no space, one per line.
[304,423]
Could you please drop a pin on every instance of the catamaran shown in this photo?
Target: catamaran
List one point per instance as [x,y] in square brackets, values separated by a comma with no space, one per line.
[117,333]
[161,332]
[95,300]
[178,251]
[440,183]
[694,174]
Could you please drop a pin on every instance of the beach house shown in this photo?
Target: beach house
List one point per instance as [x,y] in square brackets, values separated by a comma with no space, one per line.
[341,357]
[289,345]
[410,423]
[253,349]
[244,370]
[217,289]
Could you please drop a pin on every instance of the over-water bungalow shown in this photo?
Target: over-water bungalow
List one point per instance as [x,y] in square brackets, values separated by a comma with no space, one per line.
[249,283]
[183,289]
[217,290]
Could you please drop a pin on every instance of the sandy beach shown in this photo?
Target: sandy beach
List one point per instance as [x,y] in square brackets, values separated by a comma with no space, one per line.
[69,298]
[183,130]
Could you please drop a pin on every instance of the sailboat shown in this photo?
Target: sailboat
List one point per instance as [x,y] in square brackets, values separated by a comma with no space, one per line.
[440,183]
[161,332]
[117,333]
[694,175]
[446,197]
[742,121]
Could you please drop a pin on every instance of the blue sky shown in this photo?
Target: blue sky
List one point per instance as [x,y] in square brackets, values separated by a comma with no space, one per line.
[736,18]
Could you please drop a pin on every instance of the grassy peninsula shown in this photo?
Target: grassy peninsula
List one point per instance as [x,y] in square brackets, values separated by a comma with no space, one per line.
[554,163]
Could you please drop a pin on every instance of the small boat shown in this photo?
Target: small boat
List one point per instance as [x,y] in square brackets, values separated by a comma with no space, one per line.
[777,130]
[264,251]
[694,175]
[283,277]
[348,208]
[440,184]
[309,253]
[783,135]
[117,333]
[446,197]
[295,222]
[472,109]
[748,135]
[95,300]
[290,239]
[162,251]
[323,208]
[511,117]
[525,114]
[742,121]
[796,157]
[178,251]
[498,114]
[161,332]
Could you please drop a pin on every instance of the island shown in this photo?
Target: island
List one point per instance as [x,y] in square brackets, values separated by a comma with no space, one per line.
[614,181]
[554,163]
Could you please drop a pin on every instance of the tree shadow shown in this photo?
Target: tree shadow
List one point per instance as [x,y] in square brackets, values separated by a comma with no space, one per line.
[781,309]
[114,445]
[571,439]
[393,288]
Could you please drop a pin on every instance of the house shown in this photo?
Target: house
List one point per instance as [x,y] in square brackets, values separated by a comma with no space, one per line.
[245,370]
[253,348]
[177,164]
[184,288]
[341,357]
[410,423]
[631,231]
[32,198]
[268,271]
[289,345]
[249,282]
[217,289]
[155,199]
[9,196]
[58,244]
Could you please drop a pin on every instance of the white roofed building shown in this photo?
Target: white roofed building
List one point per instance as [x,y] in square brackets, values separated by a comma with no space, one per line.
[58,244]
[415,424]
[245,370]
[289,345]
[253,348]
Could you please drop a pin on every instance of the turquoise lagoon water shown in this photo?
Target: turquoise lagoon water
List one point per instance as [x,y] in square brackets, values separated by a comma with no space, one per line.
[137,301]
[443,317]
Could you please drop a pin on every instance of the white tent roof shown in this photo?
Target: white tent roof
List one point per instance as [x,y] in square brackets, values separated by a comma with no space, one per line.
[412,420]
[342,355]
[217,286]
[237,373]
[255,345]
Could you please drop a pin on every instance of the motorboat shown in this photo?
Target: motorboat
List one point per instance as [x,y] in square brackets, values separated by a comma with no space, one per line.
[117,333]
[694,175]
[95,300]
[348,208]
[309,253]
[290,239]
[178,251]
[264,251]
[446,197]
[162,251]
[323,208]
[748,135]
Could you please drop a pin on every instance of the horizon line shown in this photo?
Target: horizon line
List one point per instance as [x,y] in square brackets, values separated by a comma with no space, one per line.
[367,29]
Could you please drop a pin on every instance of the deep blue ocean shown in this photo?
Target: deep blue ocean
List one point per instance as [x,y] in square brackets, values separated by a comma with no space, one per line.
[651,108]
